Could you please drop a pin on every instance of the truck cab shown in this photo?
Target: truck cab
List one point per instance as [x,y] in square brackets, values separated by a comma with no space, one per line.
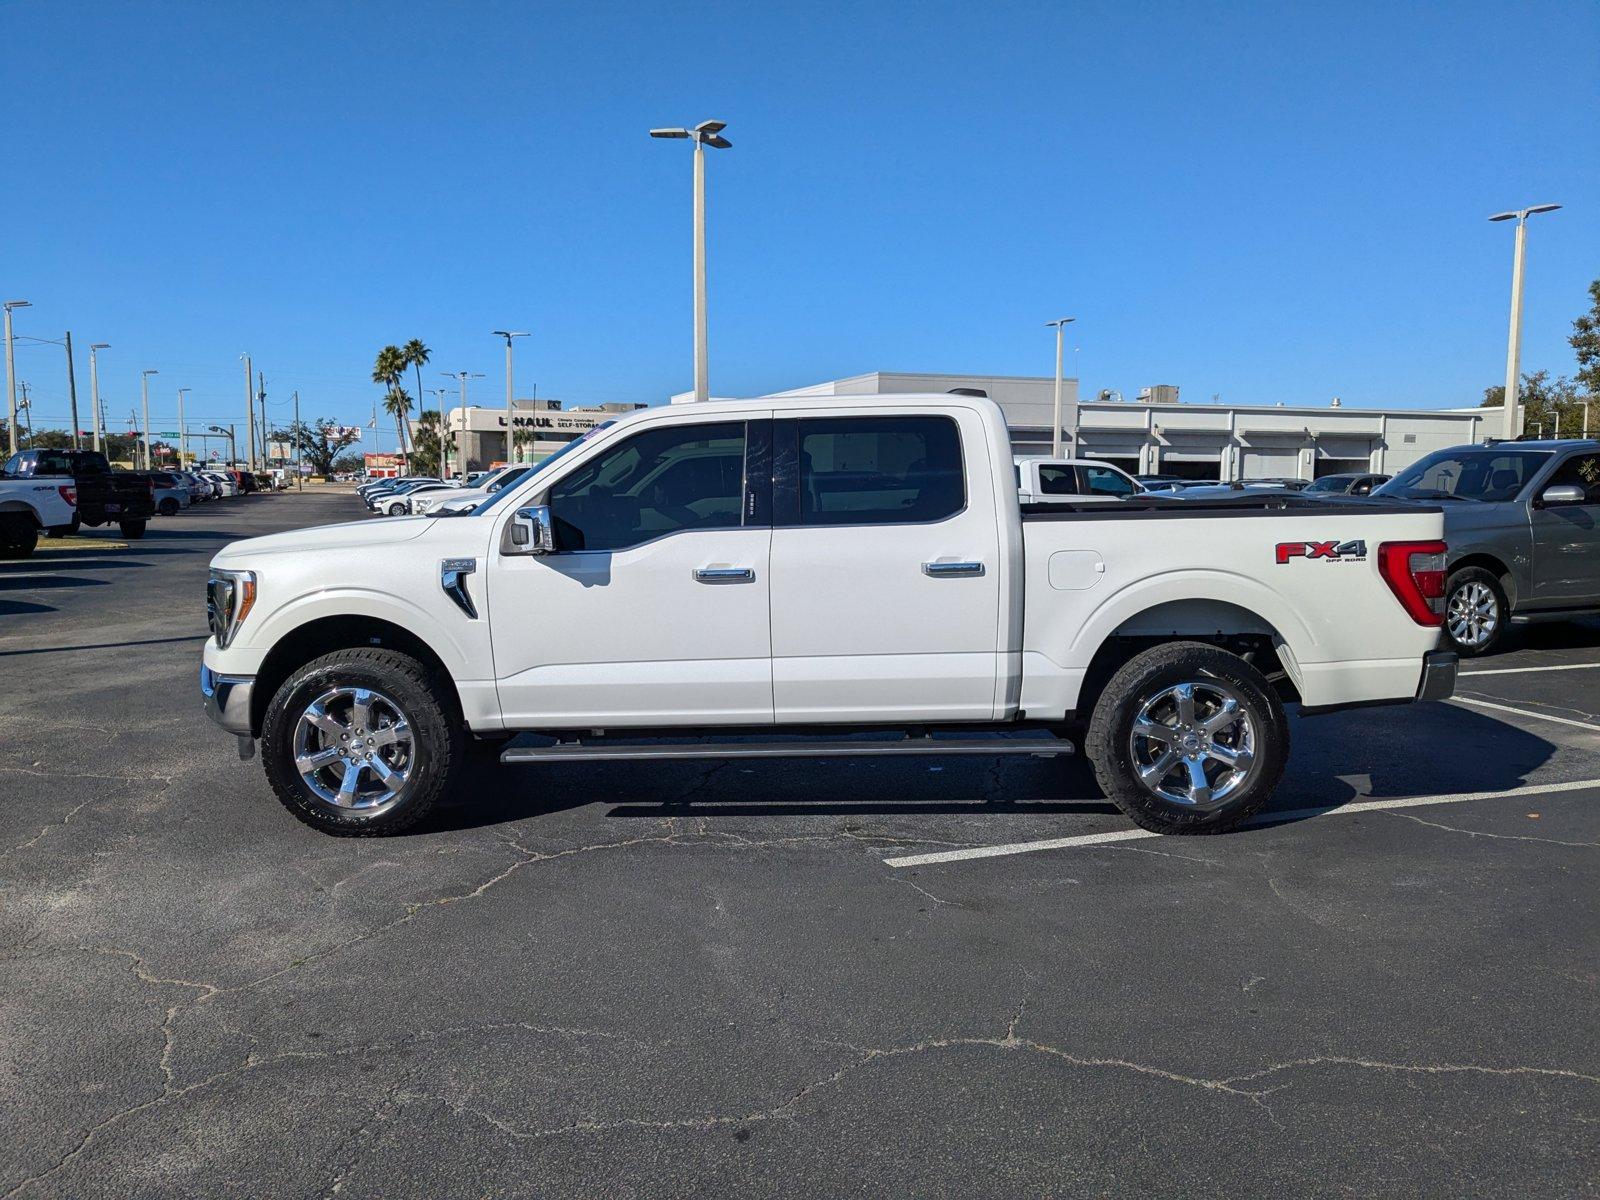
[1041,480]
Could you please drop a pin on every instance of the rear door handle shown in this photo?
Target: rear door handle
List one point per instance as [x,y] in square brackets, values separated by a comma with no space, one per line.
[940,568]
[724,574]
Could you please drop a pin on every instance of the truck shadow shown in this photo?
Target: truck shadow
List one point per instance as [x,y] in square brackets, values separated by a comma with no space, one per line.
[1372,754]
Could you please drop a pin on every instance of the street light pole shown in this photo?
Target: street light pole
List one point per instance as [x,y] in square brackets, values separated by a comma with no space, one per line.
[183,434]
[1514,342]
[94,390]
[455,434]
[1060,326]
[249,412]
[11,374]
[72,394]
[511,444]
[707,133]
[144,387]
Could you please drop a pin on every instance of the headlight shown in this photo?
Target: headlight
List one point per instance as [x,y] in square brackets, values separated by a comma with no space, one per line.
[229,597]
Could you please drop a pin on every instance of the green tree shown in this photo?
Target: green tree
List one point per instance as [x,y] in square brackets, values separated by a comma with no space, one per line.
[389,369]
[319,442]
[1549,406]
[350,463]
[50,439]
[416,355]
[398,405]
[425,445]
[1585,341]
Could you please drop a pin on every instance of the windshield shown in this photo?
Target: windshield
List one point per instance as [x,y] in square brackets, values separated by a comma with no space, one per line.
[1489,474]
[1329,483]
[567,449]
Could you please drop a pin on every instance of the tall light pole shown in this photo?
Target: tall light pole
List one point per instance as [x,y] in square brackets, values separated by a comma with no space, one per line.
[249,412]
[461,457]
[707,133]
[508,334]
[1514,345]
[94,389]
[11,374]
[183,434]
[1060,326]
[144,387]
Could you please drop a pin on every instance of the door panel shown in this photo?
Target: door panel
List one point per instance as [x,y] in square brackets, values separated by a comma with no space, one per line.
[1566,538]
[655,607]
[885,570]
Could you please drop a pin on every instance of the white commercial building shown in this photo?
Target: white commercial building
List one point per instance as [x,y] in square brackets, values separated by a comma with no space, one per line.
[543,427]
[1198,441]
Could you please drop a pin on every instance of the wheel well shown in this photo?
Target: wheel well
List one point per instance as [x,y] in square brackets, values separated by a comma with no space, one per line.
[1226,626]
[1495,567]
[327,634]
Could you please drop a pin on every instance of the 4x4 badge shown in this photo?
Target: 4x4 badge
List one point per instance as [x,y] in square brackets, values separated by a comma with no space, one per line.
[1334,551]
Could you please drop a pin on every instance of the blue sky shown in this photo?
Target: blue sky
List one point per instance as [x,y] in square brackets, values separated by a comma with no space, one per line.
[1264,202]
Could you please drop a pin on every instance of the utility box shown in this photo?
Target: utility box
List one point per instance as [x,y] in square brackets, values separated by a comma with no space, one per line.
[1159,393]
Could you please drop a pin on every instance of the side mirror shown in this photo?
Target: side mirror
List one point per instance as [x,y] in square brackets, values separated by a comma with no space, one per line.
[1564,493]
[531,531]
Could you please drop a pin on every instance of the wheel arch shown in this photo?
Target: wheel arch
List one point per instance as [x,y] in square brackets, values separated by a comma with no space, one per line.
[1495,566]
[323,635]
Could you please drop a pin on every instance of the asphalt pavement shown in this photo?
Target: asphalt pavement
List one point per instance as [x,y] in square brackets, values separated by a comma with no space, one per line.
[665,980]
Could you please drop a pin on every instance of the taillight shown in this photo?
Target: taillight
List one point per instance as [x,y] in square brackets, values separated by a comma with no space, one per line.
[70,495]
[1415,573]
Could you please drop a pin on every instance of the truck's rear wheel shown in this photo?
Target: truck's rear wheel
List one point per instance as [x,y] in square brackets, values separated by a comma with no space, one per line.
[132,530]
[357,743]
[1475,611]
[18,536]
[1187,738]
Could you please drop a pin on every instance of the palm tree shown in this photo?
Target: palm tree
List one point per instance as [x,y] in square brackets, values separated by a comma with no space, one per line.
[388,370]
[415,354]
[398,404]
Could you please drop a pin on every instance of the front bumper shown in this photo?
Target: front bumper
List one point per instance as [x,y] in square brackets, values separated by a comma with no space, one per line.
[1438,675]
[228,699]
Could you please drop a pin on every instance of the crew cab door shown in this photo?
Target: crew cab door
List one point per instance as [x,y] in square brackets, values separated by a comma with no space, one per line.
[653,609]
[885,567]
[1566,538]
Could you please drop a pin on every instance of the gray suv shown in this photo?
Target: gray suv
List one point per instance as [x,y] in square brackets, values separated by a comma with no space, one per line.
[1522,520]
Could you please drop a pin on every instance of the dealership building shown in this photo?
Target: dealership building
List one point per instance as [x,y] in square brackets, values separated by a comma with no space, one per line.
[1155,434]
[542,426]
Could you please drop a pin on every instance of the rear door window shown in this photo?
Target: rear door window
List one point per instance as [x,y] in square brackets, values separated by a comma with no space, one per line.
[1057,480]
[1103,481]
[878,470]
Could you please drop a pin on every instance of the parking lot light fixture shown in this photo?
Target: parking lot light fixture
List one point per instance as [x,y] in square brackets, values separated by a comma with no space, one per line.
[11,374]
[707,133]
[461,428]
[1060,326]
[508,334]
[144,385]
[1514,341]
[183,434]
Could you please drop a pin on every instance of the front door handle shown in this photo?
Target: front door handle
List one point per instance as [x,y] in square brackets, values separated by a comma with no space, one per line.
[942,568]
[724,574]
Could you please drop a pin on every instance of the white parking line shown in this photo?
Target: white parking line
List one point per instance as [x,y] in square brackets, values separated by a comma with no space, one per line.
[1526,712]
[1270,818]
[1529,670]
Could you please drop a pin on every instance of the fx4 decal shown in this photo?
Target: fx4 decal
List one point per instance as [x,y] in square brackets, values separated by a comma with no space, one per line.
[1333,551]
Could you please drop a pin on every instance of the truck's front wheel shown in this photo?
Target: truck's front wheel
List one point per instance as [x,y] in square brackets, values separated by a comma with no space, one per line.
[357,743]
[1187,738]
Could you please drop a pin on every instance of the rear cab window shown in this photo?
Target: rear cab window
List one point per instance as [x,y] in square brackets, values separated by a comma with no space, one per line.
[871,470]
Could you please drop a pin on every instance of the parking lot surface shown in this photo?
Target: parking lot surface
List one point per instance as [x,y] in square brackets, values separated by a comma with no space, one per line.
[775,978]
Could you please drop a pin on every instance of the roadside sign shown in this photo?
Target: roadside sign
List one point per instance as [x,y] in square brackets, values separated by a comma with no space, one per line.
[214,454]
[305,468]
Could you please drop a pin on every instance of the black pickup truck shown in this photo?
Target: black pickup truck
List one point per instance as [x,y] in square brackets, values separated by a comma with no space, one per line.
[104,495]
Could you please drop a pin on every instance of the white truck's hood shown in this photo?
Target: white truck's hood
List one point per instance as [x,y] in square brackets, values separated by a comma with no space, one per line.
[349,536]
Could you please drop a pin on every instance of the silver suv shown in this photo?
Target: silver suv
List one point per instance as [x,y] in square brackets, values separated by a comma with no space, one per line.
[1522,521]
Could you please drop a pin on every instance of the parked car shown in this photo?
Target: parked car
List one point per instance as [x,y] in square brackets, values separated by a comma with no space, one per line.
[171,491]
[1523,523]
[103,495]
[395,502]
[1167,483]
[1040,480]
[430,502]
[1353,484]
[29,506]
[225,483]
[845,567]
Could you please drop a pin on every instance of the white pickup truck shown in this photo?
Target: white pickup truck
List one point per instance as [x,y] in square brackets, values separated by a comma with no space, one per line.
[28,506]
[818,577]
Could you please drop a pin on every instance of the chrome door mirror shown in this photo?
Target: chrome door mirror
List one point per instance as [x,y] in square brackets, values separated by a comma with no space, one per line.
[1563,493]
[530,531]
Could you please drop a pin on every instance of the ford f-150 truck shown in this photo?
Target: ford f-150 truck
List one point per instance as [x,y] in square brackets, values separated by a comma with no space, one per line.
[818,577]
[28,506]
[103,495]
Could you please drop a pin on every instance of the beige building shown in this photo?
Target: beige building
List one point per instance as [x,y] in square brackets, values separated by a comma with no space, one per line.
[542,428]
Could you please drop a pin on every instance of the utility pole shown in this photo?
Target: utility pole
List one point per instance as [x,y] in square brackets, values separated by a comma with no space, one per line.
[707,133]
[510,436]
[299,486]
[11,375]
[1060,327]
[249,410]
[183,435]
[27,407]
[72,393]
[96,418]
[266,448]
[144,385]
[455,435]
[1514,341]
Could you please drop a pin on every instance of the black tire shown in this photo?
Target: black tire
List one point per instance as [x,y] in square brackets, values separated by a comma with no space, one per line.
[397,509]
[1144,680]
[18,537]
[1482,625]
[132,530]
[437,740]
[168,507]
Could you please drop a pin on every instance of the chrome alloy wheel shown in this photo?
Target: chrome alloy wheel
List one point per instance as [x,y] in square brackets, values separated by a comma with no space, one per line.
[1194,744]
[1474,614]
[354,748]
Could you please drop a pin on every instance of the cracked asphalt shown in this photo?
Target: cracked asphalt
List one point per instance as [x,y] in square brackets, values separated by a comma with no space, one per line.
[678,980]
